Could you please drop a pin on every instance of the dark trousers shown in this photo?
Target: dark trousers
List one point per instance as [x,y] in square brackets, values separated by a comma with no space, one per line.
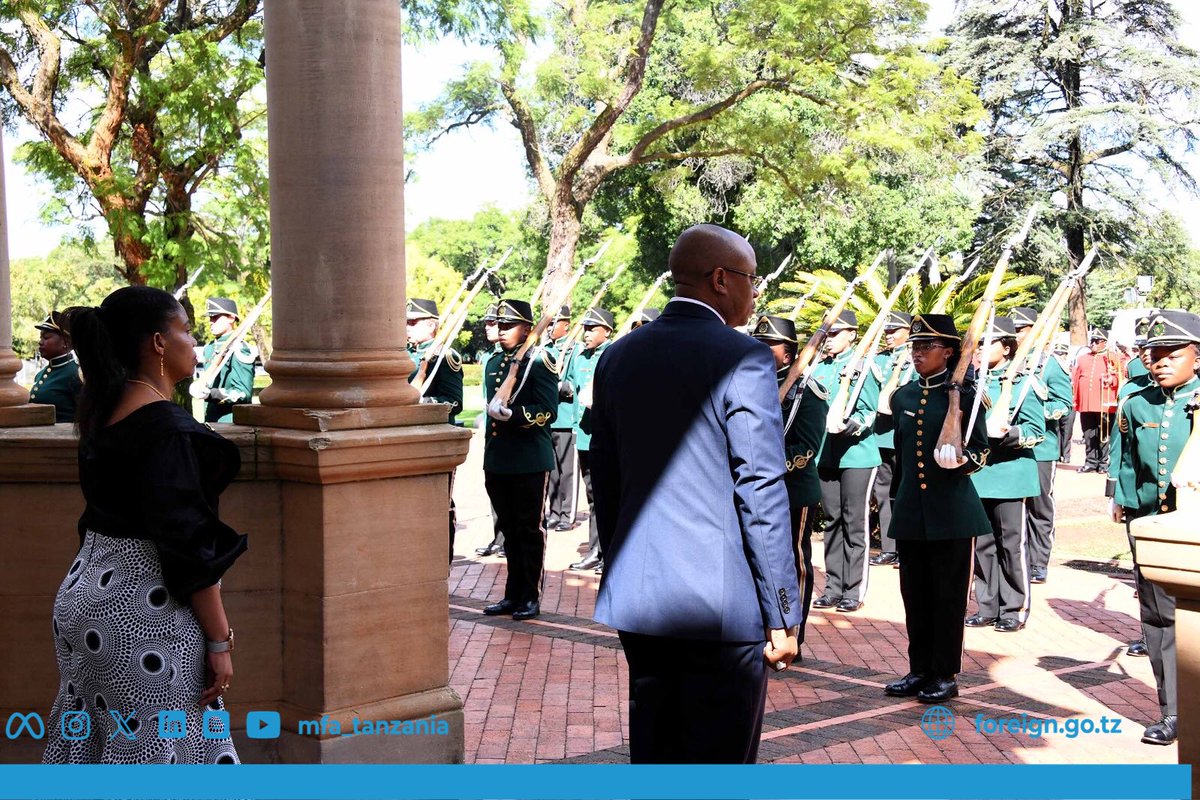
[1002,562]
[497,534]
[585,473]
[694,702]
[802,528]
[1041,517]
[1066,429]
[882,492]
[518,500]
[846,498]
[564,486]
[453,516]
[1157,610]
[935,579]
[1097,427]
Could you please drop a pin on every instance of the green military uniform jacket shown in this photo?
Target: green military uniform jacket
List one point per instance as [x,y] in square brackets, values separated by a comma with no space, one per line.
[1120,468]
[447,384]
[857,446]
[1057,403]
[568,410]
[58,385]
[1153,426]
[1011,472]
[1136,368]
[804,432]
[928,502]
[579,375]
[521,443]
[899,358]
[236,378]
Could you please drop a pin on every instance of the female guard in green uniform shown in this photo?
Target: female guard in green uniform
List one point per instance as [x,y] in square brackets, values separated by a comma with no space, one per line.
[936,514]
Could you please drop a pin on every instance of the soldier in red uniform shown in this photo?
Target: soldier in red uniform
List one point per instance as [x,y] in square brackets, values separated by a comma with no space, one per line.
[1096,381]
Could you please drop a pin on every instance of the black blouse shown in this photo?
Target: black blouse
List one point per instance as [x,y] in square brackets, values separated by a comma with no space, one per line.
[157,474]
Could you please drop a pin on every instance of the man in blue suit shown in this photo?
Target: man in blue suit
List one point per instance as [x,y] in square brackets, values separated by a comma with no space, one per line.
[700,580]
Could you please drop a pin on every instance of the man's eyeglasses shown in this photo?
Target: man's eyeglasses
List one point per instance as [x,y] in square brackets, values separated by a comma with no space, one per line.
[749,275]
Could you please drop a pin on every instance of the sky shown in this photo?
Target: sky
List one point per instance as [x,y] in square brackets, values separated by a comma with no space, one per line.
[477,166]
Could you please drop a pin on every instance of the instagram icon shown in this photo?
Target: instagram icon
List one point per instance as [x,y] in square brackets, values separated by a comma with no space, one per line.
[75,725]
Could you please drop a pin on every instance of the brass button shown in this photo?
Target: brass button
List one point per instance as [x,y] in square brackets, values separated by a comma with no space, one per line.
[923,486]
[1162,461]
[1166,424]
[1164,508]
[921,475]
[1163,437]
[1168,413]
[921,465]
[1162,472]
[1162,448]
[1162,483]
[925,391]
[923,401]
[1162,496]
[919,454]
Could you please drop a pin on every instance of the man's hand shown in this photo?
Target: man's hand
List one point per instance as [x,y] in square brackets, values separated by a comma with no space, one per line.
[1116,512]
[781,647]
[498,411]
[947,457]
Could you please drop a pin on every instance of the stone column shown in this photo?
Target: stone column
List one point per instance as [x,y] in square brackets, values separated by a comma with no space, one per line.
[363,468]
[15,408]
[337,208]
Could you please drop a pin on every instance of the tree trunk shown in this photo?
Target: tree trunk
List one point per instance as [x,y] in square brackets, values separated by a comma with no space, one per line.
[1073,230]
[566,222]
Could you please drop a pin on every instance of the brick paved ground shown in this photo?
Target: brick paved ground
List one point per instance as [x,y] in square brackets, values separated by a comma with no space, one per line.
[555,688]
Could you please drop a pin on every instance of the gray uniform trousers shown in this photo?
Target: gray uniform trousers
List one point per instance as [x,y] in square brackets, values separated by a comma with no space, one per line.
[1041,517]
[1157,609]
[1002,562]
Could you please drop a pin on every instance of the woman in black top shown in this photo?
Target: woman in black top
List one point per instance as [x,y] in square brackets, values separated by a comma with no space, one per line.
[139,626]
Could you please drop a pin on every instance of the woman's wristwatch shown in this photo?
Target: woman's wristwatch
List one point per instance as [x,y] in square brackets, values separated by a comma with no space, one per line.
[225,646]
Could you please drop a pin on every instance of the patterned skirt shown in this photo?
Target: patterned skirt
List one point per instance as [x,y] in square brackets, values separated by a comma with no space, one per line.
[127,649]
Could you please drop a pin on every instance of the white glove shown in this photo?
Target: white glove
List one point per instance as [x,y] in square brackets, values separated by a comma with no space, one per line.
[996,429]
[585,395]
[1182,480]
[835,425]
[948,458]
[499,411]
[198,390]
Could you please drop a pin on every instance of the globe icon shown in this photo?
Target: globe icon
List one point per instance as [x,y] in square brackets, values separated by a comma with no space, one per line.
[937,722]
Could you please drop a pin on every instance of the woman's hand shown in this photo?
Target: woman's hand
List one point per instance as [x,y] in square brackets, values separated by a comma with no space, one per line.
[219,674]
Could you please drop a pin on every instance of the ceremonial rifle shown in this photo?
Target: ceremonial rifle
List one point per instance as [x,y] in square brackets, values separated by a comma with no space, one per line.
[955,282]
[452,305]
[577,330]
[859,364]
[627,326]
[179,292]
[805,356]
[204,381]
[795,312]
[951,434]
[765,281]
[504,393]
[444,339]
[1035,342]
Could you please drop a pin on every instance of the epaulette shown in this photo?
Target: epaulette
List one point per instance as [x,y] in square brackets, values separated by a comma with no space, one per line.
[453,360]
[816,388]
[549,359]
[1122,423]
[877,371]
[247,354]
[1039,388]
[986,400]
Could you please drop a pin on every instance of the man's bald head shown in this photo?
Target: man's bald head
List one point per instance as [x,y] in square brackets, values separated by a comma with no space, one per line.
[716,266]
[703,248]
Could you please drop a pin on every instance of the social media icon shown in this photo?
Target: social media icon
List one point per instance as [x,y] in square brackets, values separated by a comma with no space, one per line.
[124,725]
[19,723]
[172,724]
[262,724]
[216,725]
[75,726]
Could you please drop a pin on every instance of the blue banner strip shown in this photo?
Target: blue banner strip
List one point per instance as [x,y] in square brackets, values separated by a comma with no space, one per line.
[594,781]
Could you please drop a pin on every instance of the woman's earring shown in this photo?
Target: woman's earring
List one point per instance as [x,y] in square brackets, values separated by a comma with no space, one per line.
[161,358]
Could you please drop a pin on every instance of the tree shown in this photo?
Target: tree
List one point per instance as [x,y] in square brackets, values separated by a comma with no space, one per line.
[72,274]
[158,87]
[1084,97]
[795,89]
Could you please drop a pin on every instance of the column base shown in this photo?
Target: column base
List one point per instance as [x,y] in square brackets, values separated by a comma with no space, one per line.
[26,415]
[340,419]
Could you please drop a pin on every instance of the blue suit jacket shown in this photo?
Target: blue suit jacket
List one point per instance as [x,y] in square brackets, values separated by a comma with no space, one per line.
[688,480]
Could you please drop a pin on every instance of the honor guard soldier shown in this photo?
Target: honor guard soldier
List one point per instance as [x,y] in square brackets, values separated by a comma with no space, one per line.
[57,384]
[896,369]
[1153,425]
[564,483]
[936,513]
[445,383]
[1096,380]
[234,384]
[491,332]
[1057,403]
[518,455]
[1010,476]
[646,317]
[598,324]
[804,411]
[1066,426]
[847,465]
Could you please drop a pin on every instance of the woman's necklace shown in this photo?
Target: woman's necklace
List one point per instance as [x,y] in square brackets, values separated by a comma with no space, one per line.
[151,387]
